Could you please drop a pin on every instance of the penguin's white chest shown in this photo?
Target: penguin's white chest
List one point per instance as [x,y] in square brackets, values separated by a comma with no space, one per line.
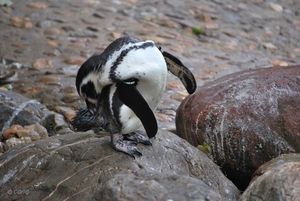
[150,69]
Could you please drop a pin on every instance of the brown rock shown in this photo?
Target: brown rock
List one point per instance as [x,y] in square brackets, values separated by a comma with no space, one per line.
[52,43]
[75,60]
[52,31]
[69,98]
[42,63]
[247,118]
[49,79]
[11,131]
[38,5]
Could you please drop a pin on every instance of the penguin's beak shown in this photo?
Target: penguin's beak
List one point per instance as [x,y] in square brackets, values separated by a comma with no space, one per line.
[92,106]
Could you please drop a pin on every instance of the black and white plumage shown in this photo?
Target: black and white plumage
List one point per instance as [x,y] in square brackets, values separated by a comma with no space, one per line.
[122,86]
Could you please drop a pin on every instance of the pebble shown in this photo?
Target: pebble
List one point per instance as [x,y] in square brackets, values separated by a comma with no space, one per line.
[270,46]
[86,53]
[52,31]
[19,43]
[11,142]
[11,131]
[69,89]
[278,63]
[38,5]
[49,79]
[44,24]
[52,53]
[77,44]
[276,7]
[21,22]
[67,112]
[52,43]
[75,60]
[68,28]
[69,98]
[42,63]
[32,89]
[22,50]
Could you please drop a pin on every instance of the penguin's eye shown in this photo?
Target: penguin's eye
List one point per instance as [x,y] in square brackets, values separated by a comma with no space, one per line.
[89,90]
[130,81]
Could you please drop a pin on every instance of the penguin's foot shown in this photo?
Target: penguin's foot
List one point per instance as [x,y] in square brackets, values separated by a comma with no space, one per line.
[138,137]
[122,143]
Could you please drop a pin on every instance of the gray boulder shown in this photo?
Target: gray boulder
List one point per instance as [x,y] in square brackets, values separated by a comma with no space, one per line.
[279,179]
[17,109]
[84,166]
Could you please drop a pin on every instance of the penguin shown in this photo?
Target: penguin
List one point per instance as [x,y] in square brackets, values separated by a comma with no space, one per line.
[122,87]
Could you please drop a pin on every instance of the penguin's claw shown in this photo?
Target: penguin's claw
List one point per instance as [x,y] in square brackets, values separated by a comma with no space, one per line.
[129,147]
[138,137]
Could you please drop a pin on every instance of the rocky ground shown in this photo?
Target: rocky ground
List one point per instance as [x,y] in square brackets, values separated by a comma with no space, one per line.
[52,38]
[43,43]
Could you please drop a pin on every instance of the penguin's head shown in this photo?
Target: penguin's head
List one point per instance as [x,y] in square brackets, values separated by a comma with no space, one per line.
[127,61]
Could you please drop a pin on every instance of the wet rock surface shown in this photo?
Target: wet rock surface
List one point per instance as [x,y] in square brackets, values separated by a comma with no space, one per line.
[277,180]
[44,42]
[92,170]
[247,118]
[17,109]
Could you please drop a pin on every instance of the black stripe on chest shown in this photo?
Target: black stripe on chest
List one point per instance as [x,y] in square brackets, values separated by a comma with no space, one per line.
[112,73]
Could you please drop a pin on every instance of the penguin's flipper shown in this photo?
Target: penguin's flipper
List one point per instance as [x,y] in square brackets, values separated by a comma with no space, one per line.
[176,67]
[132,98]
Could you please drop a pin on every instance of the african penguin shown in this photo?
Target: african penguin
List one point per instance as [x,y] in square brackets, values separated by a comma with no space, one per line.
[122,86]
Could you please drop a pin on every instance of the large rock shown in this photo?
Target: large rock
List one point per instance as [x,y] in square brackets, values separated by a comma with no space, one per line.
[84,166]
[279,179]
[247,118]
[17,109]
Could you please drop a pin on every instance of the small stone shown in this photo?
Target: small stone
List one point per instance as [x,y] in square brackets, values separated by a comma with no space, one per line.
[52,53]
[69,89]
[173,84]
[32,89]
[209,24]
[22,50]
[11,142]
[92,28]
[116,35]
[42,63]
[68,28]
[86,53]
[43,24]
[69,98]
[154,38]
[49,79]
[52,43]
[19,43]
[38,5]
[77,44]
[69,115]
[278,63]
[75,60]
[209,71]
[21,22]
[52,31]
[276,7]
[67,112]
[97,15]
[11,131]
[270,46]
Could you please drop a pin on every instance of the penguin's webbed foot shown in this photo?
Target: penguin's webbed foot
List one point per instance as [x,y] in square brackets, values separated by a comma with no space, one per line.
[138,137]
[126,145]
